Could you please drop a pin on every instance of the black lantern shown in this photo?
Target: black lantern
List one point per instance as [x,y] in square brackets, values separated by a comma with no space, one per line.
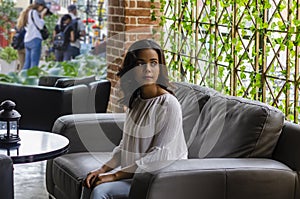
[9,124]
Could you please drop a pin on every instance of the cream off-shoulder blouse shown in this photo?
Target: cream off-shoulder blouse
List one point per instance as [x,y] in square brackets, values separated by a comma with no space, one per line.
[152,132]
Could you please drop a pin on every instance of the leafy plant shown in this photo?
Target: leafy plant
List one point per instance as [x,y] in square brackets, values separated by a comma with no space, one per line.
[83,65]
[8,54]
[8,16]
[236,48]
[50,22]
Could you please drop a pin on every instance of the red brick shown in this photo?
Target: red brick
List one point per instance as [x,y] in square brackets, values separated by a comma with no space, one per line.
[144,36]
[119,11]
[137,29]
[146,20]
[133,20]
[137,12]
[114,3]
[147,4]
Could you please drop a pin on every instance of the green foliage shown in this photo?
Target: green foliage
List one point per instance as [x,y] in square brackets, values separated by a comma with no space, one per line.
[83,65]
[8,54]
[50,21]
[238,49]
[8,15]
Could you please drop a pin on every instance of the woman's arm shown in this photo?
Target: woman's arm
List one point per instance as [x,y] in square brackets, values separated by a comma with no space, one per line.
[92,176]
[125,173]
[39,21]
[72,36]
[114,162]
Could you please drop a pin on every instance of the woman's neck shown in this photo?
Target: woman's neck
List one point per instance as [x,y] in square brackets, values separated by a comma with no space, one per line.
[151,90]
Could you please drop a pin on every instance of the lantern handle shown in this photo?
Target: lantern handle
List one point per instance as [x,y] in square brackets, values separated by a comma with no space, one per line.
[7,105]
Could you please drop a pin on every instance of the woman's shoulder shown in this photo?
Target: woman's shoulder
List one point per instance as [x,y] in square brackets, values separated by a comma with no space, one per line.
[33,12]
[171,99]
[167,99]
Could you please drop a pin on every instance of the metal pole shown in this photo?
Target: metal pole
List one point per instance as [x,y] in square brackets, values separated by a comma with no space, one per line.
[100,19]
[86,21]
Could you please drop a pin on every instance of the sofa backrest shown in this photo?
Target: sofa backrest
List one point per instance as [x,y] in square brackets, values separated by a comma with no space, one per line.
[99,90]
[217,125]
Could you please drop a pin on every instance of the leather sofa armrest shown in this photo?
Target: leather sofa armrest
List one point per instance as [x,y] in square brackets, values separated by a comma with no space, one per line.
[214,179]
[98,96]
[288,146]
[99,132]
[6,176]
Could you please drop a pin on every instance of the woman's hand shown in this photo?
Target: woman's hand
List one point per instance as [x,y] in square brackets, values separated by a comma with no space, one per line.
[104,178]
[91,178]
[43,12]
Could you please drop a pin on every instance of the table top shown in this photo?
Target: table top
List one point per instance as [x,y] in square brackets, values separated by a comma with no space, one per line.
[36,146]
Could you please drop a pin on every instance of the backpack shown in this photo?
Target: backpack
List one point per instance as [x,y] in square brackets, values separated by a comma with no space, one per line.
[59,41]
[74,23]
[18,39]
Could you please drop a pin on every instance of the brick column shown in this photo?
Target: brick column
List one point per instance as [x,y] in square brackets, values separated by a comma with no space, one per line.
[128,21]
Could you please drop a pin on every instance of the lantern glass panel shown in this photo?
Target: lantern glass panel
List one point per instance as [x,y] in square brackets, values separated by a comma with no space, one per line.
[13,128]
[3,128]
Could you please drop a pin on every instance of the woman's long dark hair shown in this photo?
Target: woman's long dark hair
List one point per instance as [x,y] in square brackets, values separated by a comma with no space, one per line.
[63,19]
[128,84]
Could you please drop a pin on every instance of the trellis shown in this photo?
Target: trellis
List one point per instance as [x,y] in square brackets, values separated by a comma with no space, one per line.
[242,48]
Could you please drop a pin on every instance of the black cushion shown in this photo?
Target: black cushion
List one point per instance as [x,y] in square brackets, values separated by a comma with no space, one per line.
[67,82]
[49,80]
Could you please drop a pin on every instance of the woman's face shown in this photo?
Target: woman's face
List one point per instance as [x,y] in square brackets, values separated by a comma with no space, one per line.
[147,70]
[40,8]
[67,21]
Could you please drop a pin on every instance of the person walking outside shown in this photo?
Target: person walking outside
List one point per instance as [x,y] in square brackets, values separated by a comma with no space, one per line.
[21,47]
[79,30]
[66,31]
[32,19]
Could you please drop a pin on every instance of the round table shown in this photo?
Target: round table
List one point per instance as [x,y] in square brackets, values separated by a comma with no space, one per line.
[36,146]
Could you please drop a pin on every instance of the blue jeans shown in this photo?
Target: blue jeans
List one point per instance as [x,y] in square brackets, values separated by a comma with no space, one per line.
[59,55]
[71,53]
[33,50]
[109,190]
[68,53]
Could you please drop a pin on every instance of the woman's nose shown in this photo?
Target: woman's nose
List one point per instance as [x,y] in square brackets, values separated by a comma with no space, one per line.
[148,67]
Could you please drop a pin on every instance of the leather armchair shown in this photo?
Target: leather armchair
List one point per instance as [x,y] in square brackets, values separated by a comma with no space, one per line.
[40,106]
[6,176]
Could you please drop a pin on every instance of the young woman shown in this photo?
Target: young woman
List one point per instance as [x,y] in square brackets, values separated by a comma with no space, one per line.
[66,27]
[153,126]
[33,17]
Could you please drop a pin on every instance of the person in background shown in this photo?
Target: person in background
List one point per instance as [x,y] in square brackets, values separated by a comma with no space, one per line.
[153,128]
[21,48]
[33,38]
[66,27]
[79,31]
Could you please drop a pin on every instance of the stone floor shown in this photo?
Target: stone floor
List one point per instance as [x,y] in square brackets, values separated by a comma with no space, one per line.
[29,180]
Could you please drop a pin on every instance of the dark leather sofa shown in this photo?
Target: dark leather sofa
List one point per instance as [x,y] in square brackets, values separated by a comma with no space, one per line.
[6,176]
[238,148]
[41,105]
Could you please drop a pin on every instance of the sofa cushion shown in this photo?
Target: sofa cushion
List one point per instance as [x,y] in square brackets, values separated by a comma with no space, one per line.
[192,99]
[69,170]
[67,82]
[236,127]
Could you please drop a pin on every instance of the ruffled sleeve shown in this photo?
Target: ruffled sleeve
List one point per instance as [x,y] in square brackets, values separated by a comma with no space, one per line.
[168,143]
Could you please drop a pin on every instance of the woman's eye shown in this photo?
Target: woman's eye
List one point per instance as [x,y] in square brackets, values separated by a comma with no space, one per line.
[153,63]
